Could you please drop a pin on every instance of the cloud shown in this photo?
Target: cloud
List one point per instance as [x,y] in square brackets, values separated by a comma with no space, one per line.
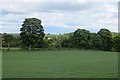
[25,8]
[59,0]
[64,15]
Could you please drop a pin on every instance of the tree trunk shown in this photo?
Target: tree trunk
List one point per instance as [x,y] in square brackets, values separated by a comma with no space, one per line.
[82,49]
[30,47]
[8,45]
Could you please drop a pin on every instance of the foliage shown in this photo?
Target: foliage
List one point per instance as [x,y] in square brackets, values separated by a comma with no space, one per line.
[7,39]
[67,41]
[0,40]
[95,41]
[81,38]
[106,38]
[32,33]
[116,43]
[32,36]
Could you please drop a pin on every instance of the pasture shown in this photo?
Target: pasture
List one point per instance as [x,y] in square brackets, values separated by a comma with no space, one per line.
[60,64]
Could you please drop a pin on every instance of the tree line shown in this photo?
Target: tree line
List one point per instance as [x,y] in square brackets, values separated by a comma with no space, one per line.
[32,36]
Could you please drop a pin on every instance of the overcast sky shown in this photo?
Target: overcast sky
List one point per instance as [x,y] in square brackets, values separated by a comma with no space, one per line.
[60,17]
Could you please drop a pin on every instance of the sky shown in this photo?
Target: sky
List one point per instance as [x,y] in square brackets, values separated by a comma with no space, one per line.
[61,16]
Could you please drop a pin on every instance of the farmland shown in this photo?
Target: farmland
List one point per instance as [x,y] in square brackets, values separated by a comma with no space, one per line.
[60,64]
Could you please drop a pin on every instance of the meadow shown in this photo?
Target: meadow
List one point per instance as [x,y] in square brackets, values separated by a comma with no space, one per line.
[60,64]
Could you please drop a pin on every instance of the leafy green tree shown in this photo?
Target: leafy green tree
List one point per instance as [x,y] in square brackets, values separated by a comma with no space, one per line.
[67,41]
[32,33]
[106,38]
[16,41]
[54,40]
[7,39]
[116,43]
[81,38]
[95,40]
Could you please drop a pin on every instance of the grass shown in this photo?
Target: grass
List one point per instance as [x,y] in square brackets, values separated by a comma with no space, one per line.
[60,64]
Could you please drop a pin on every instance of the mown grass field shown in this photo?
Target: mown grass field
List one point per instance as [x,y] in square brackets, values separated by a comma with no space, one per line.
[60,64]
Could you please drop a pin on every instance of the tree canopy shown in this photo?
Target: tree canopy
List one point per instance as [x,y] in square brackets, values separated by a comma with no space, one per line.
[116,43]
[32,33]
[81,38]
[32,36]
[7,39]
[106,38]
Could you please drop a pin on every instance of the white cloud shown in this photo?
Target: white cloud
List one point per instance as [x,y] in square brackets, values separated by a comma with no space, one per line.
[111,8]
[59,0]
[89,15]
[0,27]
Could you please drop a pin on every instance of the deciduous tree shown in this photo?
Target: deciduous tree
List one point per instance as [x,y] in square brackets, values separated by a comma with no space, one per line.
[116,43]
[7,39]
[32,33]
[106,38]
[81,38]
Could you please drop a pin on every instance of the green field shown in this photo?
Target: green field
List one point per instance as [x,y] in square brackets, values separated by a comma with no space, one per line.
[60,64]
